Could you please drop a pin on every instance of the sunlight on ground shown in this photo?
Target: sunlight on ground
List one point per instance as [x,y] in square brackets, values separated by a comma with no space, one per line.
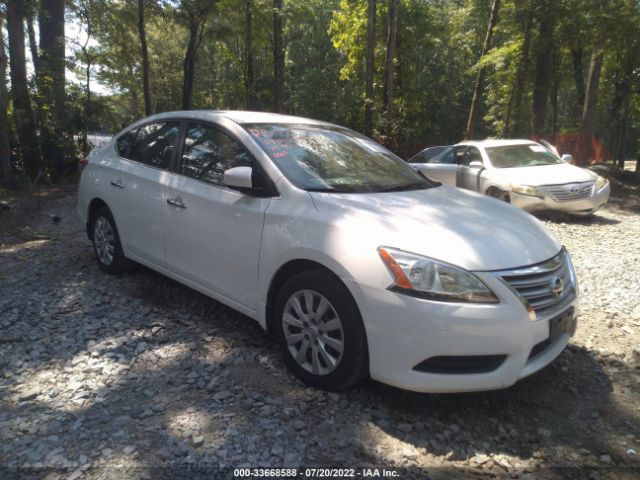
[19,247]
[197,427]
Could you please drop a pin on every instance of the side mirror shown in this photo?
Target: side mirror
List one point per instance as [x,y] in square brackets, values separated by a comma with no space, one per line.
[476,164]
[567,158]
[238,178]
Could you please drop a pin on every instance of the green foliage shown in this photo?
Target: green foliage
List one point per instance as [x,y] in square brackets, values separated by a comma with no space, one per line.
[437,59]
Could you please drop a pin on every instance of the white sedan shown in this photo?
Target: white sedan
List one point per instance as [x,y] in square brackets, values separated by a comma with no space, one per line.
[355,262]
[524,173]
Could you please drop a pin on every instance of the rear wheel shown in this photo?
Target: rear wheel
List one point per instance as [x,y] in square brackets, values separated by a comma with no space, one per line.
[106,242]
[320,331]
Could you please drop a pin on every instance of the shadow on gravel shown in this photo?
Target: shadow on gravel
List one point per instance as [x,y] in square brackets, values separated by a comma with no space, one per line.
[197,382]
[595,219]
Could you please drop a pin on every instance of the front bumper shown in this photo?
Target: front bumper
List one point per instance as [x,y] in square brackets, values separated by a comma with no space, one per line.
[403,331]
[583,206]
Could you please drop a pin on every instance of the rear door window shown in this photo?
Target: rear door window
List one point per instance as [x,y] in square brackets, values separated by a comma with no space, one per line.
[124,142]
[154,144]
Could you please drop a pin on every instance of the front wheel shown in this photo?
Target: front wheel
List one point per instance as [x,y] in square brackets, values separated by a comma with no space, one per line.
[499,194]
[320,331]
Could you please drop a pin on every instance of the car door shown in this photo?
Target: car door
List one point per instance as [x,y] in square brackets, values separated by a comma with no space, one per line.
[213,233]
[469,177]
[137,187]
[441,167]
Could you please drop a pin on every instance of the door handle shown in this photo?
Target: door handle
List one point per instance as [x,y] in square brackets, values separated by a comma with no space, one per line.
[176,202]
[117,183]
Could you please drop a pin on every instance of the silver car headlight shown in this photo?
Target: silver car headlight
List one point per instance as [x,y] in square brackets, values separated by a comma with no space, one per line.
[427,278]
[601,182]
[525,190]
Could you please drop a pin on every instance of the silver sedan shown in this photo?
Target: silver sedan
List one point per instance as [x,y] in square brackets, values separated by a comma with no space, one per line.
[524,173]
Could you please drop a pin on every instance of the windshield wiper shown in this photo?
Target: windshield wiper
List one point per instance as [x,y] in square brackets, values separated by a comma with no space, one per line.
[329,190]
[402,188]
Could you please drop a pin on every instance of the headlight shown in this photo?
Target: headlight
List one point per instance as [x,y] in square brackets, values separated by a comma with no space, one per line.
[601,182]
[525,190]
[423,277]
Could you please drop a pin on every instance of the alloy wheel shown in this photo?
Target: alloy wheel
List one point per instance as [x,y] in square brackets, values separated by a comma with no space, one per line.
[104,240]
[313,332]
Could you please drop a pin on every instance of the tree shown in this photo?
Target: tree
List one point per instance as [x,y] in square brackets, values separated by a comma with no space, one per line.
[578,76]
[586,125]
[392,33]
[194,13]
[22,112]
[50,79]
[86,13]
[493,19]
[145,59]
[543,68]
[278,57]
[249,83]
[5,151]
[370,58]
[515,109]
[33,46]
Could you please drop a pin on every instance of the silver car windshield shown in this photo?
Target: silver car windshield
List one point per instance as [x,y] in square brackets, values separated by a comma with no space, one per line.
[524,155]
[333,159]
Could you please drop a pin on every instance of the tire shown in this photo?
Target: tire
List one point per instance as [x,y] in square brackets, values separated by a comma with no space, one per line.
[106,243]
[333,370]
[499,194]
[493,192]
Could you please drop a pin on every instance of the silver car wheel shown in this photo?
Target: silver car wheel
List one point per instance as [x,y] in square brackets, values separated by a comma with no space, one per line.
[313,331]
[104,240]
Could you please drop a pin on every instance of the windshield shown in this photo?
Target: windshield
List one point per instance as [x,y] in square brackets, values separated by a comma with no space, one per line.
[523,155]
[332,159]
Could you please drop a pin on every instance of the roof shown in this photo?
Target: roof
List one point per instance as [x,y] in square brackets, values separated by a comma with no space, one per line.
[237,116]
[497,142]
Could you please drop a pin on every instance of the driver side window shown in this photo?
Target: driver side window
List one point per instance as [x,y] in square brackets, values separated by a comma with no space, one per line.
[208,152]
[460,155]
[473,155]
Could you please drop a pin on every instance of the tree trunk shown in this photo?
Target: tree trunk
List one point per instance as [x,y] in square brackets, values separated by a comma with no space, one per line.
[555,87]
[588,112]
[493,19]
[145,59]
[622,134]
[544,67]
[619,110]
[87,107]
[578,78]
[22,112]
[249,76]
[521,75]
[368,75]
[278,57]
[392,33]
[51,82]
[196,31]
[5,151]
[33,45]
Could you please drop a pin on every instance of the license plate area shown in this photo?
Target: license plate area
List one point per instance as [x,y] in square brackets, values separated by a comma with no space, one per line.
[563,323]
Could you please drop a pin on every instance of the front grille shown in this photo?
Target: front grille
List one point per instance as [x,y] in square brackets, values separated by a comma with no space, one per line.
[569,191]
[546,286]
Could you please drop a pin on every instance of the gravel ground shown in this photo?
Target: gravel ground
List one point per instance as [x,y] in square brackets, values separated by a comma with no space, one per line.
[138,376]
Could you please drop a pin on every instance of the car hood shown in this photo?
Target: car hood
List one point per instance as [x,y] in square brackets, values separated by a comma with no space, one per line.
[544,174]
[444,223]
